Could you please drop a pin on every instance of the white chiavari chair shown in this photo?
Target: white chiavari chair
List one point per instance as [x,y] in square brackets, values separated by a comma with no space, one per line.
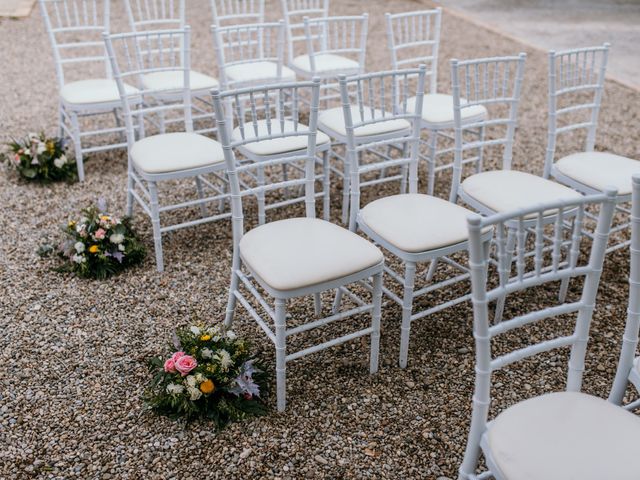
[74,30]
[234,12]
[495,83]
[414,228]
[145,15]
[576,84]
[294,12]
[552,436]
[414,38]
[251,54]
[295,257]
[628,371]
[164,156]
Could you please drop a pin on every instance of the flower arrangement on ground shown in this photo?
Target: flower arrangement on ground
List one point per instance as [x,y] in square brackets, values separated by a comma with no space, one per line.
[211,374]
[40,158]
[99,245]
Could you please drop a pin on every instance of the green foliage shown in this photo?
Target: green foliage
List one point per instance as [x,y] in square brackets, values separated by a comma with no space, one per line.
[38,158]
[210,375]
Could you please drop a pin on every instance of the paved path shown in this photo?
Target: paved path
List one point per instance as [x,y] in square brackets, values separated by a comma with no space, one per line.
[551,24]
[16,8]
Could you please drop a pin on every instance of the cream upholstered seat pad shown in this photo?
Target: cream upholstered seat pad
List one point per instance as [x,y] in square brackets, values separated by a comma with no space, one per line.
[174,80]
[277,145]
[505,190]
[95,90]
[334,120]
[599,170]
[416,222]
[170,152]
[259,70]
[325,62]
[437,108]
[301,252]
[565,436]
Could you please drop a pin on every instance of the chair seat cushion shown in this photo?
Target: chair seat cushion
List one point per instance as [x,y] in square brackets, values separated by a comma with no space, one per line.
[326,63]
[301,252]
[256,71]
[416,222]
[171,152]
[505,190]
[599,170]
[95,90]
[333,119]
[437,109]
[277,145]
[565,436]
[174,80]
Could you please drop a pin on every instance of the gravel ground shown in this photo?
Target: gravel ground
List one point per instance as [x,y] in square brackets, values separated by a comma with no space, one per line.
[74,351]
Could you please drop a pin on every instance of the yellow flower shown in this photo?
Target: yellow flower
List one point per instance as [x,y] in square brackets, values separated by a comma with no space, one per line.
[207,387]
[71,224]
[205,338]
[93,249]
[51,147]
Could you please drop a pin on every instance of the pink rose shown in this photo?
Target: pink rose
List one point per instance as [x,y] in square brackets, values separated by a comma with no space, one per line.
[100,233]
[185,364]
[176,356]
[170,366]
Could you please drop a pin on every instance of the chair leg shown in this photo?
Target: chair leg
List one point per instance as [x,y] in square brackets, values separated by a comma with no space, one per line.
[231,302]
[407,308]
[77,144]
[203,207]
[326,186]
[60,121]
[317,304]
[262,215]
[119,124]
[281,353]
[155,222]
[404,170]
[346,186]
[432,269]
[337,301]
[375,323]
[572,260]
[285,177]
[130,187]
[481,131]
[431,161]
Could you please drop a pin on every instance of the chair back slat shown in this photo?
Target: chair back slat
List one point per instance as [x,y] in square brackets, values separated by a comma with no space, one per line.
[74,28]
[494,84]
[234,12]
[413,39]
[539,275]
[632,327]
[270,116]
[345,36]
[576,83]
[294,13]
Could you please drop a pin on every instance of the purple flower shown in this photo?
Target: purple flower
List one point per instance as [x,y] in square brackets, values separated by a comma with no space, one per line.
[102,205]
[119,256]
[244,384]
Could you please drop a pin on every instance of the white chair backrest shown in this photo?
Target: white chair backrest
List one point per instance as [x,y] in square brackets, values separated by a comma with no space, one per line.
[294,12]
[137,54]
[542,269]
[259,114]
[381,97]
[576,82]
[631,331]
[234,12]
[345,36]
[494,83]
[155,14]
[75,29]
[246,43]
[414,39]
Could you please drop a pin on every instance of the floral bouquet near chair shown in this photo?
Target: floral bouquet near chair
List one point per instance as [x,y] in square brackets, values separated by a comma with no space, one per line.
[211,375]
[40,158]
[99,245]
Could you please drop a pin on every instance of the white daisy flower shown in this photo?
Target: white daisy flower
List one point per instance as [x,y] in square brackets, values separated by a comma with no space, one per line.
[231,335]
[175,388]
[195,330]
[78,259]
[116,238]
[79,246]
[58,162]
[121,247]
[224,359]
[194,393]
[206,353]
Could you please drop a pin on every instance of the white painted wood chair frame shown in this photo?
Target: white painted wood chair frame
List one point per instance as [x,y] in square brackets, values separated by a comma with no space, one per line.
[345,36]
[128,64]
[147,15]
[245,113]
[628,371]
[407,34]
[357,145]
[245,44]
[63,20]
[484,332]
[234,12]
[294,12]
[579,71]
[248,280]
